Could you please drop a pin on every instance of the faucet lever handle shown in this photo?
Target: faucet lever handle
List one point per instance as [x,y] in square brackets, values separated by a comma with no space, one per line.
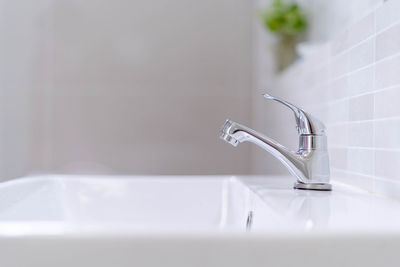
[306,123]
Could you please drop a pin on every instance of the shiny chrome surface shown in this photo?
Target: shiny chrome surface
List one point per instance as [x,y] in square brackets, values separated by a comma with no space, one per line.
[309,164]
[306,123]
[318,187]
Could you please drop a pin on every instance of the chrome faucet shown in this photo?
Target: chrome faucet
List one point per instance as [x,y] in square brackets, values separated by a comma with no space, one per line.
[310,164]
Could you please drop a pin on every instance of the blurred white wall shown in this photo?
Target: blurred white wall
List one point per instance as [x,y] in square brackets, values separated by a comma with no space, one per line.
[24,79]
[125,86]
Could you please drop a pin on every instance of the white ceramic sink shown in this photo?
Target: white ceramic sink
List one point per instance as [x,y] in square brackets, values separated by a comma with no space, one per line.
[107,205]
[192,221]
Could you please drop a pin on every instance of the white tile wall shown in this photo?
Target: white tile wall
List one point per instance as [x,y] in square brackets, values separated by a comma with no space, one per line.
[24,27]
[353,84]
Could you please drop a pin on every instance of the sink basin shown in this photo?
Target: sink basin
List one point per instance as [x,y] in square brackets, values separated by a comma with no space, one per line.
[58,220]
[109,205]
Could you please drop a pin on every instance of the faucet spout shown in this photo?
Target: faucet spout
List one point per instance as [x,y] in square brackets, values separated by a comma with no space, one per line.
[235,133]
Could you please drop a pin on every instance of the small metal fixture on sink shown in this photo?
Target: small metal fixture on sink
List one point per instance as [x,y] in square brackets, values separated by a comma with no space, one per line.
[309,164]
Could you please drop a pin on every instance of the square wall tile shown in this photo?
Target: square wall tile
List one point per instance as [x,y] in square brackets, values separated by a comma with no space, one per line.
[387,134]
[388,42]
[387,73]
[361,55]
[360,161]
[338,158]
[361,81]
[338,135]
[338,111]
[387,164]
[361,107]
[387,103]
[338,88]
[361,134]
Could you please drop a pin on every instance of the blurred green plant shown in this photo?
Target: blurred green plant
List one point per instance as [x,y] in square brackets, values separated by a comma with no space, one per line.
[284,18]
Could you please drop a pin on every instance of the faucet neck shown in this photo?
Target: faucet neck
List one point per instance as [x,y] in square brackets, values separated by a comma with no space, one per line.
[312,142]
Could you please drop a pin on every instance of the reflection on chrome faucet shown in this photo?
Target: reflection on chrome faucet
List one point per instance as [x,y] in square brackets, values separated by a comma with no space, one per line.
[310,164]
[249,221]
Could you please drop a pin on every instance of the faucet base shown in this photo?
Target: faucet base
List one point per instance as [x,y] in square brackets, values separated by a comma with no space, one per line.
[319,187]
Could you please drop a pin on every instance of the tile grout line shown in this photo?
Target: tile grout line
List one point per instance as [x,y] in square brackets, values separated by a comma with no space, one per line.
[364,94]
[349,122]
[374,103]
[369,148]
[353,172]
